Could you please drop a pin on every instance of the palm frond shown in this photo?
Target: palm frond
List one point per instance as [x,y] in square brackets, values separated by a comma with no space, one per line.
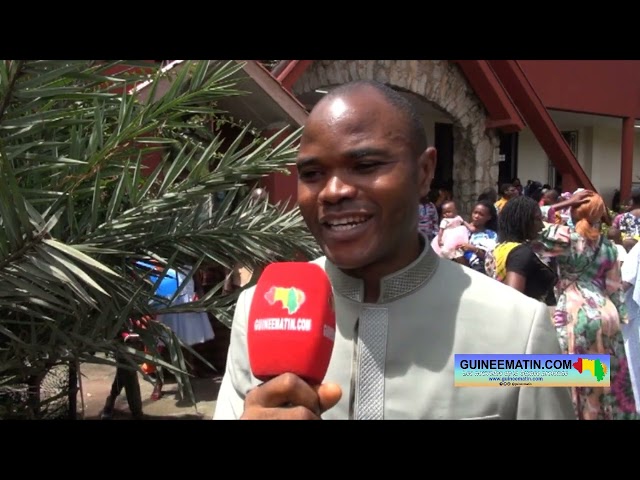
[79,204]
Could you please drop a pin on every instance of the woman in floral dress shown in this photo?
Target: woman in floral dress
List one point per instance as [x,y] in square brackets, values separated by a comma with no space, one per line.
[590,306]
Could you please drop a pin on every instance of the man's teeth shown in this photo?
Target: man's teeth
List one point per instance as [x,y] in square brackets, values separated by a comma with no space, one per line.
[346,223]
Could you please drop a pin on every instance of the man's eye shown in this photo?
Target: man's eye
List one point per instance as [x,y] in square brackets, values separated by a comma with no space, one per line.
[309,175]
[366,166]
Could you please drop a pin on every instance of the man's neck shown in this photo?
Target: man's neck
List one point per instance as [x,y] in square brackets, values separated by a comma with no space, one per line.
[372,276]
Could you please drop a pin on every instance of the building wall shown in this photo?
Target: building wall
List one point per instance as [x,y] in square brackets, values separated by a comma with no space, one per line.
[599,152]
[605,87]
[440,83]
[532,160]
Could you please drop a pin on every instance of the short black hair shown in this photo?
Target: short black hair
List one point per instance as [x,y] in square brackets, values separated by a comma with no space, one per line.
[516,218]
[503,188]
[489,194]
[535,191]
[635,196]
[402,104]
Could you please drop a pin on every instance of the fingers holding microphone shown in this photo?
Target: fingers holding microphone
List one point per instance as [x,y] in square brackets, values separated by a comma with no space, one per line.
[288,397]
[329,394]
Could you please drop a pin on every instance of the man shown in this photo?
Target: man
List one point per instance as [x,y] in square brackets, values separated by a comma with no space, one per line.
[402,312]
[506,192]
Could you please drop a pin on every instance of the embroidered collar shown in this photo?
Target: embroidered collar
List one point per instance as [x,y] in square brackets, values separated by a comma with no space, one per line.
[394,286]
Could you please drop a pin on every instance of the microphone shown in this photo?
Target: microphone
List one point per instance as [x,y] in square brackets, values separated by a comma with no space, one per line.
[292,322]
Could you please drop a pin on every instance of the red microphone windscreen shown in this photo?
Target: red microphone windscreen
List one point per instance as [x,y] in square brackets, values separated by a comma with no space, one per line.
[292,322]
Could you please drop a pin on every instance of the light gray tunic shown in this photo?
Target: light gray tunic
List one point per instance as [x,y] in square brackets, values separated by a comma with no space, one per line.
[395,359]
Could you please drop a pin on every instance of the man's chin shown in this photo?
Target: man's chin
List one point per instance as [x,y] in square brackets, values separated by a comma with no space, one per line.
[345,261]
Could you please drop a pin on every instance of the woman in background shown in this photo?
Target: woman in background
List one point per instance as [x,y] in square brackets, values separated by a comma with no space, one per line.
[483,239]
[513,260]
[590,308]
[192,328]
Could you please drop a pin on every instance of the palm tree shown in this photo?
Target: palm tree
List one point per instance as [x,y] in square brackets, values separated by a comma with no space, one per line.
[79,207]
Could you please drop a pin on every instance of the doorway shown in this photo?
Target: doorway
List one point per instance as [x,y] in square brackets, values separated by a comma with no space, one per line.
[508,164]
[443,177]
[554,176]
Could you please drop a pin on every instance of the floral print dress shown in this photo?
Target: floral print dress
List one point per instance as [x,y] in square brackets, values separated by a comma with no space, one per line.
[629,225]
[588,315]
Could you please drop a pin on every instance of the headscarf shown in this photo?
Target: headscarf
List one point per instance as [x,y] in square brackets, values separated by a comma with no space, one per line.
[589,215]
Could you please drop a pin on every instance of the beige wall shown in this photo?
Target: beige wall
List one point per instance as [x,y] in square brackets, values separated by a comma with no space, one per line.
[532,161]
[599,150]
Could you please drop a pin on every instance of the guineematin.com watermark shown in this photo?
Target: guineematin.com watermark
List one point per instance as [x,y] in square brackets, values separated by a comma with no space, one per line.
[472,370]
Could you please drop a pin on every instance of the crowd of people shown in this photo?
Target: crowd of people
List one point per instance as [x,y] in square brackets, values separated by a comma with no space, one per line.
[569,251]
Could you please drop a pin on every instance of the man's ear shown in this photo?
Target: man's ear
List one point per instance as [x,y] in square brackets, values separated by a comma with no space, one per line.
[426,169]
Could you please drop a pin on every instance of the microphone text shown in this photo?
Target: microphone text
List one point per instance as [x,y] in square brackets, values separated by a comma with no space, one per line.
[296,324]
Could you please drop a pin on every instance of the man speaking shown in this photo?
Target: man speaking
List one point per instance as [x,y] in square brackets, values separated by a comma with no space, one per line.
[401,312]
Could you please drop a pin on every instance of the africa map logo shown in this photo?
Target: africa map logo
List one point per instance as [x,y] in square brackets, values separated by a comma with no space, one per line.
[291,298]
[596,367]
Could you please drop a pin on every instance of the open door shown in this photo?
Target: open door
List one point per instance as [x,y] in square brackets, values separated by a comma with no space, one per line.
[508,166]
[443,177]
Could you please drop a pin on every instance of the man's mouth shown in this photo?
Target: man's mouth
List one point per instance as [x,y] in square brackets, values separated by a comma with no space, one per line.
[346,223]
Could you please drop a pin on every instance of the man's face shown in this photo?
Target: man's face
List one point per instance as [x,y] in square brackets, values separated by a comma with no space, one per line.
[512,192]
[550,197]
[360,183]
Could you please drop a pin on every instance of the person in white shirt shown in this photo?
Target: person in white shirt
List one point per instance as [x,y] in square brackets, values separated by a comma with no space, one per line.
[615,235]
[631,330]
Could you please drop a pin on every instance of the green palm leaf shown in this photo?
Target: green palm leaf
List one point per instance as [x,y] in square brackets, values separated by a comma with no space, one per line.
[79,205]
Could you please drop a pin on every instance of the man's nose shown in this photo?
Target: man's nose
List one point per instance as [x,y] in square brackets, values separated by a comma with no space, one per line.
[337,189]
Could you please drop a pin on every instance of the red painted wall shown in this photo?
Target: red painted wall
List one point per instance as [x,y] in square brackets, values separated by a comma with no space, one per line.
[602,87]
[281,187]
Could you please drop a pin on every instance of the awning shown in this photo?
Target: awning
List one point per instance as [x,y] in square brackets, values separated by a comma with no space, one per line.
[267,102]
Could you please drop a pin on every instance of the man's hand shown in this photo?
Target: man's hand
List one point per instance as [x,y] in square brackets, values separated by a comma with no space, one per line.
[288,397]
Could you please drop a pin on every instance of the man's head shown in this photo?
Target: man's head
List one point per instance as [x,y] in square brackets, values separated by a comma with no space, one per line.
[489,194]
[363,166]
[550,197]
[508,191]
